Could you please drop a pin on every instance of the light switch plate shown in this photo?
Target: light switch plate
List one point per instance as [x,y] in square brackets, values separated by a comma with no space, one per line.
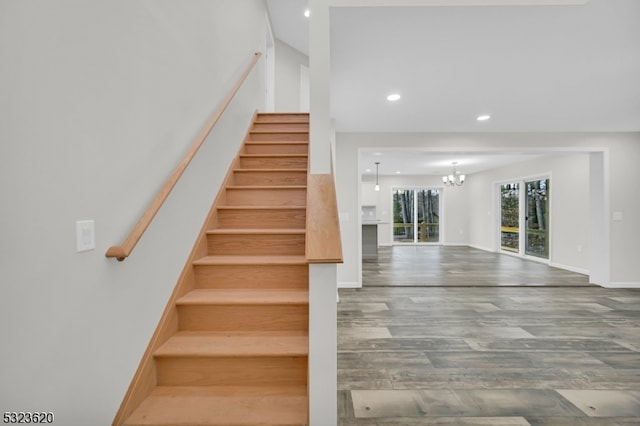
[85,235]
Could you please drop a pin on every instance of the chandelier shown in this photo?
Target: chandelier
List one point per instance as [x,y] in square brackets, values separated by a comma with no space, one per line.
[455,178]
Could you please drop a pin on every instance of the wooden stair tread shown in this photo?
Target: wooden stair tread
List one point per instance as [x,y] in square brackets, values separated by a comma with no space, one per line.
[279,130]
[244,297]
[211,344]
[290,114]
[251,260]
[247,170]
[273,155]
[273,187]
[254,231]
[201,405]
[277,142]
[266,207]
[281,121]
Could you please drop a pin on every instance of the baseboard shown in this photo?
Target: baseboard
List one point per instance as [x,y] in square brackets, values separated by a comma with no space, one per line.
[480,247]
[348,284]
[621,284]
[570,268]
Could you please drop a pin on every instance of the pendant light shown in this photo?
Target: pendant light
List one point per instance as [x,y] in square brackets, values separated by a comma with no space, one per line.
[377,187]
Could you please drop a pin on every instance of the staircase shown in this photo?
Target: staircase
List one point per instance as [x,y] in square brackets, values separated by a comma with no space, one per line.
[239,349]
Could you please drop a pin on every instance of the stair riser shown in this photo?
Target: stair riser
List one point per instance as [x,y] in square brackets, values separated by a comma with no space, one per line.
[244,318]
[256,244]
[279,137]
[266,197]
[244,178]
[297,162]
[282,118]
[276,148]
[280,127]
[232,371]
[252,276]
[261,218]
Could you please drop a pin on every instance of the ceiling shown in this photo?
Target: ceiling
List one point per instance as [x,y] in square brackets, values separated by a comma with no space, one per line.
[542,68]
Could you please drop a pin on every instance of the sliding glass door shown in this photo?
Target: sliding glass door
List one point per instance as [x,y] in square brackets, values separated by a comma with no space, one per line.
[403,216]
[510,217]
[428,210]
[537,218]
[416,215]
[525,213]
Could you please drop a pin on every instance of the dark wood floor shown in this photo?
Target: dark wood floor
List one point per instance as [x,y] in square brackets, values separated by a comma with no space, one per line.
[540,356]
[460,266]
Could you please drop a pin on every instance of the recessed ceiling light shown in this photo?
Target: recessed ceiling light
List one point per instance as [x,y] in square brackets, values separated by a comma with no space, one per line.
[483,117]
[393,97]
[307,13]
[398,172]
[368,170]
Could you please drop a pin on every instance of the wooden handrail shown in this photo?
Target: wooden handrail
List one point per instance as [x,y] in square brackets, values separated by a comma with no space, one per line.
[323,242]
[121,252]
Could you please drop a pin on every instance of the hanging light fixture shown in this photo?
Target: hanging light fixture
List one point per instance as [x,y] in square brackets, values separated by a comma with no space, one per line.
[377,187]
[455,178]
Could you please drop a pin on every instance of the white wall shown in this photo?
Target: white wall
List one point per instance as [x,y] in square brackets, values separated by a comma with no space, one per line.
[288,62]
[99,102]
[620,151]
